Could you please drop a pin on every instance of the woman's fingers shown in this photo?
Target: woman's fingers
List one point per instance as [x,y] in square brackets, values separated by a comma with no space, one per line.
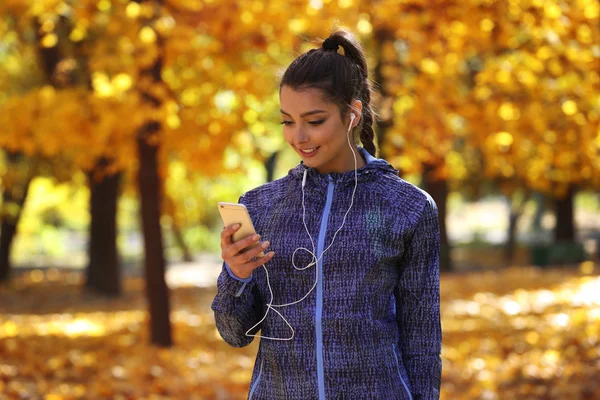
[234,249]
[245,254]
[251,253]
[242,244]
[230,249]
[249,266]
[252,265]
[243,264]
[226,234]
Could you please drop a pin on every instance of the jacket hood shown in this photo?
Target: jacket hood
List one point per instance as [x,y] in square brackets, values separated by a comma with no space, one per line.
[374,166]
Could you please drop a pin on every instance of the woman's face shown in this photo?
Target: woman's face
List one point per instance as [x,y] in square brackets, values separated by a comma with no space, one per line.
[315,130]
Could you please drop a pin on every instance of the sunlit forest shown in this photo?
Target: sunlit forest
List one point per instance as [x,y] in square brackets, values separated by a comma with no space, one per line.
[124,122]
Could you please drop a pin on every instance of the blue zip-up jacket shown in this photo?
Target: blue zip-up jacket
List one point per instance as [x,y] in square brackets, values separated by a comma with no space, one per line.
[371,327]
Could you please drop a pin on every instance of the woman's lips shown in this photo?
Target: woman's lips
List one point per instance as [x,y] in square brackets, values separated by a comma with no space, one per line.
[312,152]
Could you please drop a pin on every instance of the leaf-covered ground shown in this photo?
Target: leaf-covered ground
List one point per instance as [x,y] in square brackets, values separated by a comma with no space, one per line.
[519,333]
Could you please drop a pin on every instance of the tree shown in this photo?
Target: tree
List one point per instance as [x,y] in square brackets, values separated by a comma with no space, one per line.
[511,82]
[21,168]
[536,97]
[13,195]
[157,291]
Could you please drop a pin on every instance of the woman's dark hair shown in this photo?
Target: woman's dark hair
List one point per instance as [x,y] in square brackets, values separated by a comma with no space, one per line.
[341,78]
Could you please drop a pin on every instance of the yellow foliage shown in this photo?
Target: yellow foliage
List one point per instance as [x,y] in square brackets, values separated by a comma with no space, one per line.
[507,334]
[449,71]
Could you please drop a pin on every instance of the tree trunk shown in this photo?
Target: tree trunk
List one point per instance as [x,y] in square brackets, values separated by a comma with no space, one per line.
[438,189]
[565,226]
[513,218]
[509,248]
[178,235]
[103,272]
[7,234]
[13,200]
[270,165]
[170,208]
[157,291]
[150,186]
[385,113]
[536,221]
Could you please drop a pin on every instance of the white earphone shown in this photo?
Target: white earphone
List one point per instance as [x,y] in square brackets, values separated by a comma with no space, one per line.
[270,305]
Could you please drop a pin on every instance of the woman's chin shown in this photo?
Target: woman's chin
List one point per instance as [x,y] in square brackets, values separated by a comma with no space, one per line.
[310,163]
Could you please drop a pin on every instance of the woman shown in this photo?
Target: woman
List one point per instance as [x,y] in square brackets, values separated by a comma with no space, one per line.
[347,299]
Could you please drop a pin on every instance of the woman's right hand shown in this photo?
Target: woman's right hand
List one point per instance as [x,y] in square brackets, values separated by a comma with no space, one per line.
[242,263]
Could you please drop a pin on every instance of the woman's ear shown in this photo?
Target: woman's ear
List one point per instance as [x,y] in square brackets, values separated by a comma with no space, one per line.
[356,108]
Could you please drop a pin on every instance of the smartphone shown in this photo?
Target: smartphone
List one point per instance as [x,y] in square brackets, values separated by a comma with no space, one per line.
[234,213]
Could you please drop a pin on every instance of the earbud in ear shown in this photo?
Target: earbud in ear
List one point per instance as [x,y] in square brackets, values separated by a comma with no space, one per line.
[352,117]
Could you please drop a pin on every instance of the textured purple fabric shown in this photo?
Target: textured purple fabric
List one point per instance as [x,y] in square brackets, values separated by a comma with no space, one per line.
[371,328]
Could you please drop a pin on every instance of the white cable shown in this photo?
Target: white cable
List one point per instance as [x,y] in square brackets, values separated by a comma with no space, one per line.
[270,305]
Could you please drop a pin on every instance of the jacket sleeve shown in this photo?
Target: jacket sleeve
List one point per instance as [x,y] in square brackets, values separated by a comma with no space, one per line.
[417,295]
[237,306]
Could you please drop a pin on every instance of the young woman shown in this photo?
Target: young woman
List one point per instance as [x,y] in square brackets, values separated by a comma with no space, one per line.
[347,298]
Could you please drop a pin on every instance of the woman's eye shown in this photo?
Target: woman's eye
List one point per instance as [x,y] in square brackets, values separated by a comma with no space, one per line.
[318,122]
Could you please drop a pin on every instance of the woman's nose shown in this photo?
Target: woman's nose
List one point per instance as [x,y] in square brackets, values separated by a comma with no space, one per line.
[300,136]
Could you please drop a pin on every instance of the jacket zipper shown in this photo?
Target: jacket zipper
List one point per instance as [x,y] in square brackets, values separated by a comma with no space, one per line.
[319,310]
[256,382]
[399,374]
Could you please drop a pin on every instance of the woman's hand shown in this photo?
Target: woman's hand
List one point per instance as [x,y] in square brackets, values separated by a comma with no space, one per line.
[242,263]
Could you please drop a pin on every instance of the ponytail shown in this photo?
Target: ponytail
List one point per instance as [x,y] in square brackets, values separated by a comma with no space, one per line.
[367,134]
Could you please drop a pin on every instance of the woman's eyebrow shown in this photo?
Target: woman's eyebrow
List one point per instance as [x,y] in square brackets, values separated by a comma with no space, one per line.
[306,113]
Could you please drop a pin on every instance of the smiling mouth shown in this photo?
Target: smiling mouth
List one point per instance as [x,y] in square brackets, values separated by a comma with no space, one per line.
[308,151]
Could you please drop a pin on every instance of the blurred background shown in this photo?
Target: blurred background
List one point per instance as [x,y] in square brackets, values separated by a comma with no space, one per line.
[123,123]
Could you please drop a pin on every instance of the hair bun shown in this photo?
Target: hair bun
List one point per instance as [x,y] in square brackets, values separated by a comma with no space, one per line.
[330,44]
